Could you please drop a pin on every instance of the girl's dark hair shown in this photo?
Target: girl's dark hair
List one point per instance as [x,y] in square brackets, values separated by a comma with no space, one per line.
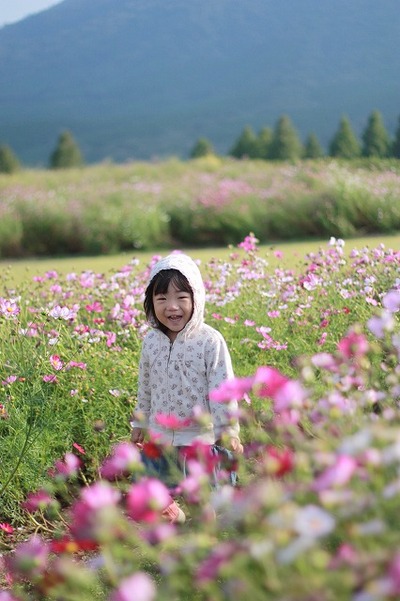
[159,285]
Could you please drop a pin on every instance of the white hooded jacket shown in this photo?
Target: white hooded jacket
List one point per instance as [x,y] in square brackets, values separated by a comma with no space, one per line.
[176,378]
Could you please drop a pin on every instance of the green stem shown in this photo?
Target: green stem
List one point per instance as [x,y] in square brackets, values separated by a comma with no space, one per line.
[14,471]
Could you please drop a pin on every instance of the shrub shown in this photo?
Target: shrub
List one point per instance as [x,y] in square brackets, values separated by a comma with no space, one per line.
[9,162]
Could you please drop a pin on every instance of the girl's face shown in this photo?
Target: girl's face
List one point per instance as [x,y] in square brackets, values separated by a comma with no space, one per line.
[173,309]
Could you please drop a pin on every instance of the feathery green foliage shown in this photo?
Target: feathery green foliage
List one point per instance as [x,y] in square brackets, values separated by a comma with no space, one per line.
[9,162]
[344,143]
[312,147]
[375,138]
[395,151]
[246,145]
[285,144]
[202,148]
[66,154]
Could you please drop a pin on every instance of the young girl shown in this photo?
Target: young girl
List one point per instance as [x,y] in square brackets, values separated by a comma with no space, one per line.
[182,360]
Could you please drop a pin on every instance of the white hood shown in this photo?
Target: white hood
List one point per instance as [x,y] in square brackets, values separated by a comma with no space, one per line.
[189,269]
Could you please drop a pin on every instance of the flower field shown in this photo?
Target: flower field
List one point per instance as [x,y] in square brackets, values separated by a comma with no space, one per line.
[316,354]
[213,201]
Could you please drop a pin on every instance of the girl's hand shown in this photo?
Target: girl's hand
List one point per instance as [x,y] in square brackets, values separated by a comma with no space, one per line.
[236,446]
[137,435]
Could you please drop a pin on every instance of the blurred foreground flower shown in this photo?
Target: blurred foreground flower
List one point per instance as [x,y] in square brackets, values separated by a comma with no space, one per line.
[138,587]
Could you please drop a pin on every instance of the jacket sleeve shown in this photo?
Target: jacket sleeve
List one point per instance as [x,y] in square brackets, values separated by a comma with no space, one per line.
[143,405]
[219,369]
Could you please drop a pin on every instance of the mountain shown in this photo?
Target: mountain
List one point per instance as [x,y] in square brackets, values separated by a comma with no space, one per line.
[146,78]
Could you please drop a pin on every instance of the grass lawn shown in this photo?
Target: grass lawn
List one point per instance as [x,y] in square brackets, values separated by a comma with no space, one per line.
[16,272]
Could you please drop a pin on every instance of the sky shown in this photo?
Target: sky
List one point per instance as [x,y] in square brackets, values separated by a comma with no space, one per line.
[15,10]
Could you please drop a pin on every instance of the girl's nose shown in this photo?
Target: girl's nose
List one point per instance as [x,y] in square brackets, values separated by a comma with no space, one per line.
[172,304]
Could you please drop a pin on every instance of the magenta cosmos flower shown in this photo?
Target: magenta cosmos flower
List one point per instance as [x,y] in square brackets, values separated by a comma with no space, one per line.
[87,511]
[337,474]
[30,559]
[125,458]
[353,345]
[147,499]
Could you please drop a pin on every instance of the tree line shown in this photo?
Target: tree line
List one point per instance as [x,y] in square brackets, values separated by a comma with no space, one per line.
[66,154]
[281,143]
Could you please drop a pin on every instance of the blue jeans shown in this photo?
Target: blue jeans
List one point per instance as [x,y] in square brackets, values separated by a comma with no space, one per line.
[170,466]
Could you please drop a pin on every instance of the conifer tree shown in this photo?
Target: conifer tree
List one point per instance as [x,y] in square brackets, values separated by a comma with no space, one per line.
[245,145]
[375,138]
[312,147]
[202,148]
[285,144]
[344,143]
[66,154]
[9,162]
[264,140]
[395,150]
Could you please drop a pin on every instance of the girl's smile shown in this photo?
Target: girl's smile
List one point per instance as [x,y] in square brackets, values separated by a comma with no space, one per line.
[173,309]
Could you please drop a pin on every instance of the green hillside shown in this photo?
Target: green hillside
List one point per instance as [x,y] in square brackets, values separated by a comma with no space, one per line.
[138,79]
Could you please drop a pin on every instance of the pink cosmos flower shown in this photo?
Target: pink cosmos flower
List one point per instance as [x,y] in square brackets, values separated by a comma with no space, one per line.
[7,528]
[139,587]
[68,467]
[87,511]
[9,308]
[50,378]
[77,364]
[125,458]
[353,345]
[336,475]
[171,422]
[249,244]
[9,380]
[267,381]
[56,362]
[232,389]
[289,396]
[38,500]
[249,322]
[79,448]
[147,499]
[95,307]
[191,486]
[30,559]
[111,338]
